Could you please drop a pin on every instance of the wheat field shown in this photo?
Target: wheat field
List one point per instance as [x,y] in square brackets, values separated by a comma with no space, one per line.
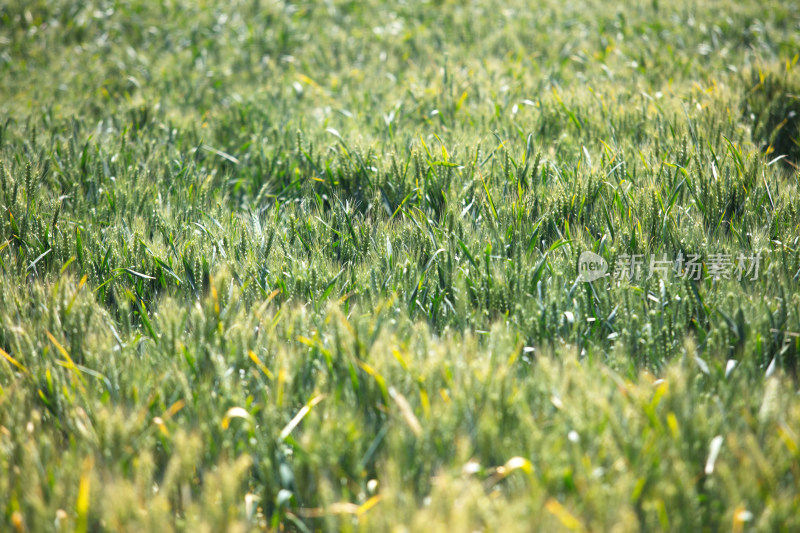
[324,266]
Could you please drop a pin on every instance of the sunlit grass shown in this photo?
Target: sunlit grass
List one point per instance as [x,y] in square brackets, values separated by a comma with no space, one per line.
[315,266]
